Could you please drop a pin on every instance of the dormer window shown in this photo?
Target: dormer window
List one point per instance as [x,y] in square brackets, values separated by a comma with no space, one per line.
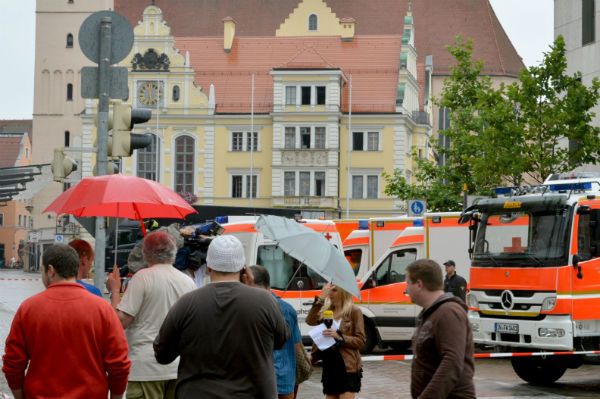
[69,40]
[312,22]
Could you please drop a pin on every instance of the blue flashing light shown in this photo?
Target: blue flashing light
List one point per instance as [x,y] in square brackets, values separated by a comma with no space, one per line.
[503,190]
[418,223]
[222,219]
[363,224]
[571,186]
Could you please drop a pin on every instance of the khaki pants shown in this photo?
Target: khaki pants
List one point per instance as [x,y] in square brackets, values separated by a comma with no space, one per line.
[151,389]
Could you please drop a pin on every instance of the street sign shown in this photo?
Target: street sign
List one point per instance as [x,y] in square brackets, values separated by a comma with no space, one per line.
[59,239]
[416,207]
[121,37]
[34,236]
[117,88]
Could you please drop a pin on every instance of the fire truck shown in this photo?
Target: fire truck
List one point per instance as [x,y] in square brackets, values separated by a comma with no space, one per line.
[535,273]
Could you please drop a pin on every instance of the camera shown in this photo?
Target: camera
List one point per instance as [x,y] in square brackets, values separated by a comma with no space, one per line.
[195,246]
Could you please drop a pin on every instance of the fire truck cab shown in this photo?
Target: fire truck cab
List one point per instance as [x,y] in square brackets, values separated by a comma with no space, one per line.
[535,273]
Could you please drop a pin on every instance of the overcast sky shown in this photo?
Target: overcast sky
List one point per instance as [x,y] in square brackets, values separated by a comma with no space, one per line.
[528,23]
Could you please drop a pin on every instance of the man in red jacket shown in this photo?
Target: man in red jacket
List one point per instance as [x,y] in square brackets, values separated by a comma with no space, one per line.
[65,342]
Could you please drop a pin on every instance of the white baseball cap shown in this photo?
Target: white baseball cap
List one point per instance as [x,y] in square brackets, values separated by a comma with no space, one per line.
[226,254]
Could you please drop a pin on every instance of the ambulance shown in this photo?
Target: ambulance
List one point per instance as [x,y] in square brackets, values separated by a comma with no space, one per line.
[364,246]
[295,283]
[388,312]
[535,273]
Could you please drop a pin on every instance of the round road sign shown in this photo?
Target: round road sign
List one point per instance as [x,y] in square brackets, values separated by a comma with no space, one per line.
[121,36]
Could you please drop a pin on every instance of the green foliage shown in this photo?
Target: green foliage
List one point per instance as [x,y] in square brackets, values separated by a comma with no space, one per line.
[505,135]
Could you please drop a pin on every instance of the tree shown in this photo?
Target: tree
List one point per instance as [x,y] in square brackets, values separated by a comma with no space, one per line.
[505,135]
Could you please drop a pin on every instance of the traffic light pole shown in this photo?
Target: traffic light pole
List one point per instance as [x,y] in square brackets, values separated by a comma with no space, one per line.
[102,139]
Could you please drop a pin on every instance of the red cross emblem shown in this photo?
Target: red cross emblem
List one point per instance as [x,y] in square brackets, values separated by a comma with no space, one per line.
[328,236]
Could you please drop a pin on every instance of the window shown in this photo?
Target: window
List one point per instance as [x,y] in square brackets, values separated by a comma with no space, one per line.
[243,185]
[244,141]
[305,95]
[359,140]
[588,23]
[372,141]
[393,269]
[251,141]
[304,184]
[290,137]
[289,184]
[354,257]
[19,221]
[365,189]
[66,186]
[357,187]
[26,153]
[400,94]
[290,95]
[69,40]
[1,219]
[237,141]
[175,93]
[320,137]
[184,164]
[312,22]
[236,186]
[403,60]
[319,184]
[287,273]
[70,92]
[67,138]
[305,137]
[321,95]
[147,164]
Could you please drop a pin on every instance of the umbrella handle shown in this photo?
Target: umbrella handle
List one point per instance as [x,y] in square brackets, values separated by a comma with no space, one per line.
[292,278]
[143,227]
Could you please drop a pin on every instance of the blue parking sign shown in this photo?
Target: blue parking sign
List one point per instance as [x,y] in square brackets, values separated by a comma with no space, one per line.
[416,207]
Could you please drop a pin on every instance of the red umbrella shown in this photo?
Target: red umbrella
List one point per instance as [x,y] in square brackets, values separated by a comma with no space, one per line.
[120,196]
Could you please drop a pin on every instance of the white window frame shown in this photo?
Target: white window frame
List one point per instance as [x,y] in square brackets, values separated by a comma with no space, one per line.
[365,136]
[245,136]
[245,173]
[312,181]
[298,137]
[313,94]
[365,182]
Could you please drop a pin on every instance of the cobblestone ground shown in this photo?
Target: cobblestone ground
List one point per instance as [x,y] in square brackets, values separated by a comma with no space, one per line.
[494,378]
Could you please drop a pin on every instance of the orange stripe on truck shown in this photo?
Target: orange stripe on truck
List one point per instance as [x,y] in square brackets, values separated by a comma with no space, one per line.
[537,279]
[414,239]
[356,241]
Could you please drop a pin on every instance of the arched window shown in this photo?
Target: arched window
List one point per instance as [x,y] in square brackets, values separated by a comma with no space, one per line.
[69,91]
[175,93]
[69,40]
[148,160]
[312,22]
[184,164]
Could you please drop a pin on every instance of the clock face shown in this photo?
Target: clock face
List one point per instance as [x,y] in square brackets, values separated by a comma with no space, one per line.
[149,93]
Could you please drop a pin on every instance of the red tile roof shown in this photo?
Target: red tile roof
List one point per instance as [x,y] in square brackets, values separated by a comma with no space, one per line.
[373,61]
[16,126]
[9,149]
[437,22]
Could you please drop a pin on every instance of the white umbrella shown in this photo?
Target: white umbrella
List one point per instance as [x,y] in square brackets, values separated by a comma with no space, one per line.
[310,248]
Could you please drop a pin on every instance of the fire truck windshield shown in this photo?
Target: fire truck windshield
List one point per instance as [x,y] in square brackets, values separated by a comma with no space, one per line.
[536,238]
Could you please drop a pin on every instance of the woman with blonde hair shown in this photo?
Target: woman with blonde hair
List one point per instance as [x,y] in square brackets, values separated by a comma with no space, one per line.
[342,367]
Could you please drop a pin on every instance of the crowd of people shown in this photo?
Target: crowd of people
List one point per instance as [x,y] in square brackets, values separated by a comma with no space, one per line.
[169,335]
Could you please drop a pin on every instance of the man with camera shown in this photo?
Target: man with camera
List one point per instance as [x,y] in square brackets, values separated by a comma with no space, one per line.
[224,332]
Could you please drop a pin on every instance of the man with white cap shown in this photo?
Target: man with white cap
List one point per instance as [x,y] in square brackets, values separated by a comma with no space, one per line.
[224,332]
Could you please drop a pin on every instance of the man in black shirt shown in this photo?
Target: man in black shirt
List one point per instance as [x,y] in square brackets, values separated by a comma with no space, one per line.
[453,282]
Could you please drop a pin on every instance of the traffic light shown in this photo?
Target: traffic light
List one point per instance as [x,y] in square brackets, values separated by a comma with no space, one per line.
[62,165]
[122,143]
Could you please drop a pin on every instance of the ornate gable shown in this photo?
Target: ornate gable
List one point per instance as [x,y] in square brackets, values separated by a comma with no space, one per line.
[311,18]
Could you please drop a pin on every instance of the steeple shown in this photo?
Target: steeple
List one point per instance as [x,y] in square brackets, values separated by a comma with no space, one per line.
[407,90]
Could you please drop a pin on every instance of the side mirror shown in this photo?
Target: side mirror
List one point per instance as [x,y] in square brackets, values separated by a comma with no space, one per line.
[370,283]
[576,266]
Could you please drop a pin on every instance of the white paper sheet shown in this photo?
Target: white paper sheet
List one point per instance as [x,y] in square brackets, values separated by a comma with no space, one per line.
[321,340]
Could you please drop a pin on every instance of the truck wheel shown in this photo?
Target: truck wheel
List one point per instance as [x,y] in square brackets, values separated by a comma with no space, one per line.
[538,370]
[371,340]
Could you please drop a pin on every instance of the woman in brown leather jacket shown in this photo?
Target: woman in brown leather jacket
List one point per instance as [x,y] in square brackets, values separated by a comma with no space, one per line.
[342,367]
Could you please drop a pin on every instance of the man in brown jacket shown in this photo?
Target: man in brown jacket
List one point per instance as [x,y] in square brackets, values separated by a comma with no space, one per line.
[442,344]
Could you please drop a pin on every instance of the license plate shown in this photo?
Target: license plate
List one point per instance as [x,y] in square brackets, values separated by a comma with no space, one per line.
[507,328]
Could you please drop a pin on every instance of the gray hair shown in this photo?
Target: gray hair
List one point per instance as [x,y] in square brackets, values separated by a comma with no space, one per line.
[159,247]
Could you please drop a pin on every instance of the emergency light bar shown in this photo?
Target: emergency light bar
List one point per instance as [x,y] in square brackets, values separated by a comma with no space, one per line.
[503,190]
[418,223]
[571,186]
[363,224]
[222,219]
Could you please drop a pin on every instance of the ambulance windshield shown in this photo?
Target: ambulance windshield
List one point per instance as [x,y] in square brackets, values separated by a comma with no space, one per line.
[537,237]
[287,273]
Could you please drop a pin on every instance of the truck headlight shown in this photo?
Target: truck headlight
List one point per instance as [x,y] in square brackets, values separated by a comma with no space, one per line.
[472,301]
[549,303]
[551,332]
